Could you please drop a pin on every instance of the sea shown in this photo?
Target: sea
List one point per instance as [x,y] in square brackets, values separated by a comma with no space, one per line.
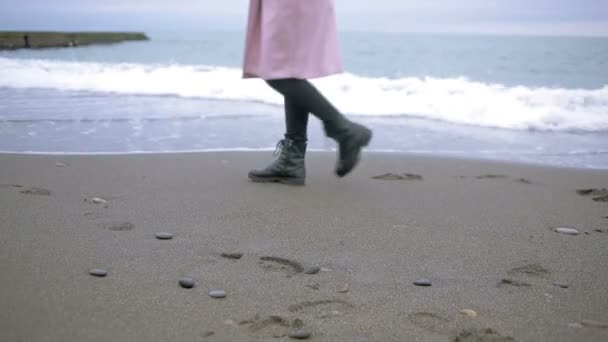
[540,100]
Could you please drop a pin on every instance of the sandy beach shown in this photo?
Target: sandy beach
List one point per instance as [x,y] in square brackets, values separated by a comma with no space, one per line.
[481,232]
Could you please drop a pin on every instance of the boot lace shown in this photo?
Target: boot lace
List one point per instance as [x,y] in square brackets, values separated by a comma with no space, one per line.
[280,152]
[279,148]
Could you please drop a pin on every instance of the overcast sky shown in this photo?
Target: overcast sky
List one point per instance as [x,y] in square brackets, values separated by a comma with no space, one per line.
[557,17]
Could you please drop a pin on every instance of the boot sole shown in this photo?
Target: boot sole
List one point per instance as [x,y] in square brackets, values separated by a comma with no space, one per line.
[286,181]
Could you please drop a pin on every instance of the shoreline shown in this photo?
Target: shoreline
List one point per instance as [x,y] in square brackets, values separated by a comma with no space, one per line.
[264,153]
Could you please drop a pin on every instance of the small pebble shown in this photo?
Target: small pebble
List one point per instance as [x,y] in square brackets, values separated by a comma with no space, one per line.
[98,272]
[233,256]
[595,324]
[422,282]
[187,283]
[61,164]
[301,334]
[469,313]
[569,231]
[560,284]
[164,236]
[344,288]
[599,230]
[312,270]
[217,294]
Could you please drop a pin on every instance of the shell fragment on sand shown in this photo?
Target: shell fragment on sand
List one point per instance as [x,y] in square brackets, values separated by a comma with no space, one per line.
[98,200]
[469,313]
[569,231]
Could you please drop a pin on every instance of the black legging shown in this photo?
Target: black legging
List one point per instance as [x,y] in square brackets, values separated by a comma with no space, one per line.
[302,98]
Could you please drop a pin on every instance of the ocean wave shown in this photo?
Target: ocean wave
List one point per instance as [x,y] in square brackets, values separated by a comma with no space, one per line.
[457,100]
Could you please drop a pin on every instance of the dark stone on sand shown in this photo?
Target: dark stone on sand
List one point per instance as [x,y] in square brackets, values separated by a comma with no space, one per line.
[599,230]
[512,282]
[217,294]
[208,334]
[164,236]
[422,282]
[187,283]
[98,272]
[560,284]
[312,270]
[301,334]
[232,256]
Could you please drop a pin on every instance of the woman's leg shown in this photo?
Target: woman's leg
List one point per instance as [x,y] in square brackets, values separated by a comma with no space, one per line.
[351,137]
[296,121]
[302,94]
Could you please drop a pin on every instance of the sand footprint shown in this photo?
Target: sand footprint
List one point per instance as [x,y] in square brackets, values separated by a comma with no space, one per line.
[117,226]
[325,308]
[529,270]
[398,177]
[430,322]
[598,195]
[499,176]
[491,176]
[481,335]
[276,264]
[532,270]
[272,326]
[32,190]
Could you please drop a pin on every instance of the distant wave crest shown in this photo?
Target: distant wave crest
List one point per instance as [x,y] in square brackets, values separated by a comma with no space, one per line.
[456,100]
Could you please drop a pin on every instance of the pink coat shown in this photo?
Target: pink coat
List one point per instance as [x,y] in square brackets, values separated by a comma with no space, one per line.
[291,39]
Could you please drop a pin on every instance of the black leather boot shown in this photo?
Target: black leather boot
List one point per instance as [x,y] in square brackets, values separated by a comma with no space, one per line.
[289,167]
[351,138]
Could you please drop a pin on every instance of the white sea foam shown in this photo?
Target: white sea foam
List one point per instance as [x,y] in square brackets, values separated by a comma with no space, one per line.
[457,100]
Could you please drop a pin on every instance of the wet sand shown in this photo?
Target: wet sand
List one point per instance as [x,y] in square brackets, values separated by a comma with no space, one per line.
[481,232]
